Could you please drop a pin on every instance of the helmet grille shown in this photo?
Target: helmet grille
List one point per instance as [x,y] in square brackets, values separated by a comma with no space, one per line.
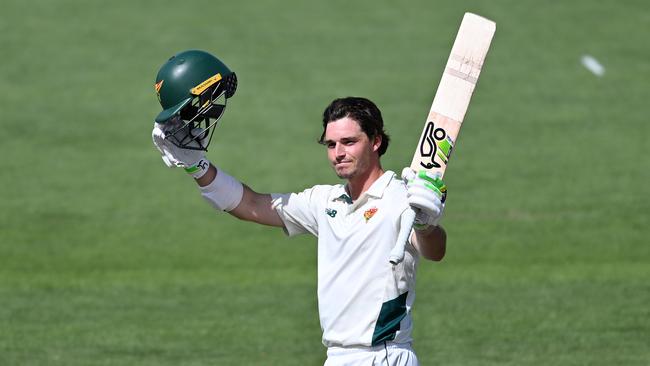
[194,126]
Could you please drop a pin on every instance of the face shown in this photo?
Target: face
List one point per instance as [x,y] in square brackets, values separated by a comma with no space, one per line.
[349,150]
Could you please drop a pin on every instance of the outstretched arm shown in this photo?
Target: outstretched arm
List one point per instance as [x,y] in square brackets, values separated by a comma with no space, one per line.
[255,207]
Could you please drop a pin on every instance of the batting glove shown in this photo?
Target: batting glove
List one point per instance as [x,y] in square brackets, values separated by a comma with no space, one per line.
[426,193]
[193,161]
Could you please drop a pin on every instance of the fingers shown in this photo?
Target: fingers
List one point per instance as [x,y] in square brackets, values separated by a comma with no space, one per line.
[426,193]
[172,155]
[200,137]
[431,180]
[425,199]
[171,161]
[165,160]
[408,174]
[158,137]
[427,185]
[159,142]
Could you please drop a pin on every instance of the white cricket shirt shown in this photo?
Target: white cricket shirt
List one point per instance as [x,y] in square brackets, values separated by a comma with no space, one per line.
[363,299]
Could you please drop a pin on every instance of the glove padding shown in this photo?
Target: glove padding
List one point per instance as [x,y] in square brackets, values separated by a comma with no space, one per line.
[172,155]
[426,194]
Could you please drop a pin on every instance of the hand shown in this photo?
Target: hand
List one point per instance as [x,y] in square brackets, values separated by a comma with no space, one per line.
[172,155]
[193,161]
[426,194]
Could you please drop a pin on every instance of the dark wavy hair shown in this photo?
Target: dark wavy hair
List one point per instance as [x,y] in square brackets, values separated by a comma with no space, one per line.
[362,110]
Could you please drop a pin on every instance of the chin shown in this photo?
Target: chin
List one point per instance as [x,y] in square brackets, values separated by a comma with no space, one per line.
[343,174]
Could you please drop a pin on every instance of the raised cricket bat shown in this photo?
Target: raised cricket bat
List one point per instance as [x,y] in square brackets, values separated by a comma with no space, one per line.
[438,138]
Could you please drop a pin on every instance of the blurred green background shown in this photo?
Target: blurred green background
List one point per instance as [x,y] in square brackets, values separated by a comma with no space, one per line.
[109,258]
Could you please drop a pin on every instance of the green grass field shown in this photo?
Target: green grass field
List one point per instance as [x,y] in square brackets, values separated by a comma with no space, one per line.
[109,258]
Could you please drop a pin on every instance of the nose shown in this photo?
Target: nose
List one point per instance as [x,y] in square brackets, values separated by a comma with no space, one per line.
[339,150]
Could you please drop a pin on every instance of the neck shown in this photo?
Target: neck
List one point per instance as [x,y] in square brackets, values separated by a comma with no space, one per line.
[359,184]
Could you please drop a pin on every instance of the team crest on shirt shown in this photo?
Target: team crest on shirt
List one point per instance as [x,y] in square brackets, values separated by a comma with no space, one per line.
[369,213]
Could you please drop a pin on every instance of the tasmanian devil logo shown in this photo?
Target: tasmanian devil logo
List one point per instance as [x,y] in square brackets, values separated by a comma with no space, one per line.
[157,86]
[429,146]
[369,213]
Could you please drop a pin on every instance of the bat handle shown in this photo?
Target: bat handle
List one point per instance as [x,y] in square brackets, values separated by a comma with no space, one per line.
[406,224]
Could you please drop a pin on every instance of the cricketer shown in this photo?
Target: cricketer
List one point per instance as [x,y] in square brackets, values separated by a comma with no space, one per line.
[364,301]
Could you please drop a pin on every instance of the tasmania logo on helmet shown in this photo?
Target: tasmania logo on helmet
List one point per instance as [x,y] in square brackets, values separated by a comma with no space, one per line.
[157,86]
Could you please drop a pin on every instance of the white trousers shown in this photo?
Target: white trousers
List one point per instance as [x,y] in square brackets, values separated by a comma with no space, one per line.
[388,355]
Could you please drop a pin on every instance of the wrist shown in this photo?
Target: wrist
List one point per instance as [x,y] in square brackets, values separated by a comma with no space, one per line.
[422,228]
[198,169]
[425,228]
[224,193]
[425,221]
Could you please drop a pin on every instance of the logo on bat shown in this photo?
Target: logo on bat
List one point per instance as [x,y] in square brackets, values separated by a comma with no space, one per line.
[435,142]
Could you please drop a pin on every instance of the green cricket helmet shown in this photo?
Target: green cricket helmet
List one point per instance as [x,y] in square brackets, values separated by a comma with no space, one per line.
[192,87]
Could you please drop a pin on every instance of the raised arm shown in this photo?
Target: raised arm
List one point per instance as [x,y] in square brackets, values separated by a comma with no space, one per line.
[426,194]
[255,207]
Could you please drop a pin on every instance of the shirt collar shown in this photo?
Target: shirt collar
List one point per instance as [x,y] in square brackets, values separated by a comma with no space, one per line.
[379,186]
[376,190]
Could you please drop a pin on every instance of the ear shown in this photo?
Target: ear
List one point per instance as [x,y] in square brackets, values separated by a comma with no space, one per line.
[376,143]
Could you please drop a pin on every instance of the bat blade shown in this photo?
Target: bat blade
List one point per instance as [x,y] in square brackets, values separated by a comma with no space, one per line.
[454,93]
[438,138]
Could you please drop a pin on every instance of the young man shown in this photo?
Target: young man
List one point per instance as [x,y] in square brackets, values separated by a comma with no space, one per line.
[364,301]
